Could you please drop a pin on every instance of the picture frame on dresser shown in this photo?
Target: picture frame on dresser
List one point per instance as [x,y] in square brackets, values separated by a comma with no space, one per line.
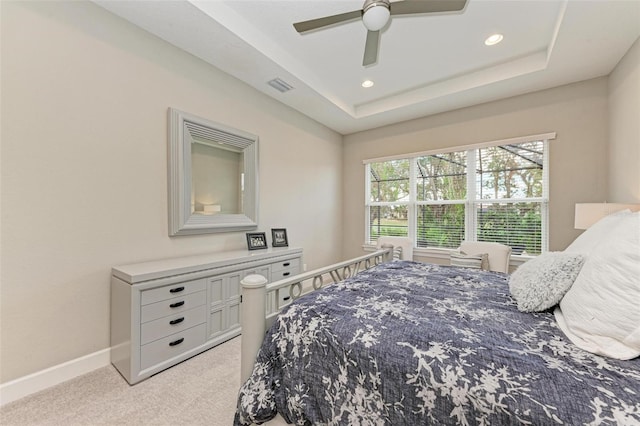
[279,237]
[256,240]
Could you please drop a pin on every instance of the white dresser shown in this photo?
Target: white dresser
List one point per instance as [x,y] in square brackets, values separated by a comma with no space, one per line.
[165,311]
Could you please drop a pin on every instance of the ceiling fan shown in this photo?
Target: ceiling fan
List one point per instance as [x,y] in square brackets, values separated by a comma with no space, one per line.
[375,15]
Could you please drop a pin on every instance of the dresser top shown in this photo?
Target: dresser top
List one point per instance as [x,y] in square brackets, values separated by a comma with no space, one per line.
[140,272]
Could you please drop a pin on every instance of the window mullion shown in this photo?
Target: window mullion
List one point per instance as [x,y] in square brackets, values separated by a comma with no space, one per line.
[544,208]
[367,202]
[411,209]
[470,215]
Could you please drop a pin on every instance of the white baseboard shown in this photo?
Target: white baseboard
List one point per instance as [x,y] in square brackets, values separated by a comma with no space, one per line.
[27,385]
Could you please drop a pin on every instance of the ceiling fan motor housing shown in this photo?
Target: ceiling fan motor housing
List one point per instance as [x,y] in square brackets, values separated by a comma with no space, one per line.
[375,14]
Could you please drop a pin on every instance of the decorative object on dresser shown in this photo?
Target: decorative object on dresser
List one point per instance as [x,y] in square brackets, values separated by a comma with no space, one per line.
[279,237]
[256,240]
[165,311]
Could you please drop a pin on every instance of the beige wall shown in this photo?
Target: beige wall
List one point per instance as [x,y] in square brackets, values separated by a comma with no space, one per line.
[624,129]
[578,156]
[84,175]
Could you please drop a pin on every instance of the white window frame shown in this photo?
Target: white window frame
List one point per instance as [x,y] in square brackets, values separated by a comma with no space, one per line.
[470,202]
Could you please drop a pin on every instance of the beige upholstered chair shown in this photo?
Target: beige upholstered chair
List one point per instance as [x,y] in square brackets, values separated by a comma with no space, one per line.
[499,254]
[404,242]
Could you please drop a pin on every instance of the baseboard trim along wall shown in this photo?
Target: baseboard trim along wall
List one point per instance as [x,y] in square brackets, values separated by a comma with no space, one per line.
[27,385]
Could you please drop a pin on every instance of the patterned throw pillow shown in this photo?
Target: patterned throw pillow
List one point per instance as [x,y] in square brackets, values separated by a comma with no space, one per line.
[476,261]
[541,282]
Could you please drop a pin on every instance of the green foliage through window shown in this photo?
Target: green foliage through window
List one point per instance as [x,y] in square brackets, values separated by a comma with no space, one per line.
[440,225]
[388,221]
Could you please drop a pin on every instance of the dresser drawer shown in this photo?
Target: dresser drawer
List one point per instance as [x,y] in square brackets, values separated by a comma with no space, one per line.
[281,272]
[280,275]
[171,324]
[161,350]
[292,265]
[284,273]
[171,291]
[172,306]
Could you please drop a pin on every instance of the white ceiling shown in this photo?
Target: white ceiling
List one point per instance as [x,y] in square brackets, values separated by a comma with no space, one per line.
[426,64]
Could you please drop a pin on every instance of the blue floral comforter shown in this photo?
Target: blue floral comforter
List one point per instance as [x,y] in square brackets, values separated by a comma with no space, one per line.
[408,343]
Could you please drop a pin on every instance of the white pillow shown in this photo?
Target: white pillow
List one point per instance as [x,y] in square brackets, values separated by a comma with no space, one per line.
[590,238]
[541,282]
[601,311]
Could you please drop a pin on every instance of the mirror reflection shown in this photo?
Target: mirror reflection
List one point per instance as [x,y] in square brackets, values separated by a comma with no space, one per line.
[217,177]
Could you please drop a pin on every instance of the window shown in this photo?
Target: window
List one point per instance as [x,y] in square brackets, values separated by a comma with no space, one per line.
[390,188]
[492,192]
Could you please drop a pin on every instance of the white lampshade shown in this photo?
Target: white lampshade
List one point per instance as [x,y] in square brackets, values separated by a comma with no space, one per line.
[376,17]
[589,213]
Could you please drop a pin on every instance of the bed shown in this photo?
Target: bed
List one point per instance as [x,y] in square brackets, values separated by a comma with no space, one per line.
[404,342]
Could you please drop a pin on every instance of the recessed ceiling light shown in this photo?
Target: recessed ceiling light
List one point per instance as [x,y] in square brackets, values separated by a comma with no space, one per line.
[494,39]
[367,83]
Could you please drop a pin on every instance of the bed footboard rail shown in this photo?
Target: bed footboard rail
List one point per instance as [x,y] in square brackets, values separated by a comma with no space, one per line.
[254,318]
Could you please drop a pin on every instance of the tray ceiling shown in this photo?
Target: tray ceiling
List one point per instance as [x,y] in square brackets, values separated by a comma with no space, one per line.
[426,64]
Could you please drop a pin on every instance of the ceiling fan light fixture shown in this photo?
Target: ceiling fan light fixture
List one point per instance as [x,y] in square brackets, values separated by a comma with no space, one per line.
[376,16]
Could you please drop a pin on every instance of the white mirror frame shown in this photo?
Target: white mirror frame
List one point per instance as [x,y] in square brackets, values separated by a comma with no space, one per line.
[183,127]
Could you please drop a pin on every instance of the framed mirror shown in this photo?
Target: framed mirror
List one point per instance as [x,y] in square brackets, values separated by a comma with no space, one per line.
[213,176]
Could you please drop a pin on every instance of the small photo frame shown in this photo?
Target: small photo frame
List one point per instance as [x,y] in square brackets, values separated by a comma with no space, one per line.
[256,240]
[279,237]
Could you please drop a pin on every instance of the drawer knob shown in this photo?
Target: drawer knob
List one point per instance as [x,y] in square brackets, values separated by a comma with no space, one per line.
[286,264]
[286,274]
[176,290]
[176,342]
[177,304]
[176,321]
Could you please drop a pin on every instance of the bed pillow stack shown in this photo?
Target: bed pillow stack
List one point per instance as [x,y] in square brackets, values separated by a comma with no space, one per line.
[540,283]
[601,311]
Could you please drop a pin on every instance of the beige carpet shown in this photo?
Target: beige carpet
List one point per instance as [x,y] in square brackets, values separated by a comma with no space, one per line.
[199,391]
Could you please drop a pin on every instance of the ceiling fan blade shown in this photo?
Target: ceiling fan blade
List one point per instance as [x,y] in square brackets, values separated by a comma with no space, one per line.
[313,24]
[426,6]
[371,48]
